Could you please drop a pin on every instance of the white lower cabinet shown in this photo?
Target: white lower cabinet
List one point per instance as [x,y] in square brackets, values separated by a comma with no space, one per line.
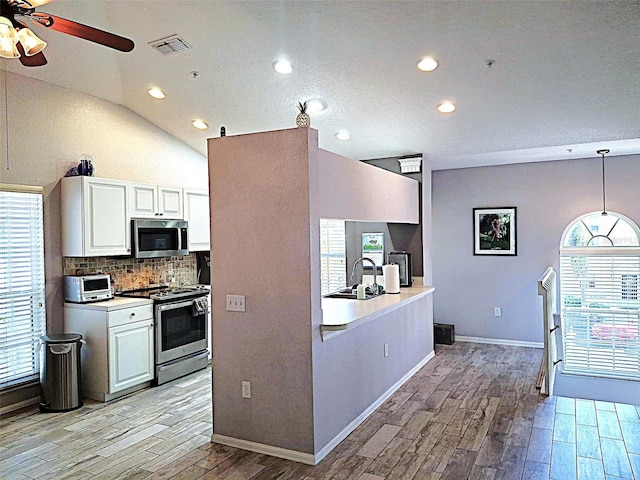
[130,355]
[118,357]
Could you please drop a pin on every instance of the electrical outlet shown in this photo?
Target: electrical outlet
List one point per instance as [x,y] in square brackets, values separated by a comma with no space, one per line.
[235,303]
[386,349]
[497,312]
[246,389]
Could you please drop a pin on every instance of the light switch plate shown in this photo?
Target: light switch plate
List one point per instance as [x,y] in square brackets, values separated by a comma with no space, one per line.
[235,303]
[246,389]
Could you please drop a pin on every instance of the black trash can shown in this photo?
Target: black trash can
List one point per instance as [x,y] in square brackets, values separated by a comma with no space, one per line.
[60,372]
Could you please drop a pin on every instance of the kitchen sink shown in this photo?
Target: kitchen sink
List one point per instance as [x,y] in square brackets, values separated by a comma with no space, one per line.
[349,294]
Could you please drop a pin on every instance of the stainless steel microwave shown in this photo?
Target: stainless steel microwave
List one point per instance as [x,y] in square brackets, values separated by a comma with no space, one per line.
[158,238]
[87,288]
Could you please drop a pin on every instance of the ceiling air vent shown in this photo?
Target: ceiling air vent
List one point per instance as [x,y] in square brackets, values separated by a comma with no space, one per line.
[169,45]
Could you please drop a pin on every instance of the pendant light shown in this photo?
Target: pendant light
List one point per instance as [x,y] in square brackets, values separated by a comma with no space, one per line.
[603,152]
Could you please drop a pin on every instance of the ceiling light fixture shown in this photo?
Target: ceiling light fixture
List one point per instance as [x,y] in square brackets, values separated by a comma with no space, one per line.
[18,41]
[446,107]
[428,64]
[603,152]
[343,135]
[8,39]
[283,66]
[156,92]
[316,105]
[199,124]
[31,43]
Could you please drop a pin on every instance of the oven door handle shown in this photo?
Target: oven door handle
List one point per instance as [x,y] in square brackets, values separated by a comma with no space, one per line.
[175,305]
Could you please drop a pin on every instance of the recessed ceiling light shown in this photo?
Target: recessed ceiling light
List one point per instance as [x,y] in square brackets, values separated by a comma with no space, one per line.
[428,64]
[199,124]
[446,107]
[343,135]
[316,105]
[155,92]
[283,66]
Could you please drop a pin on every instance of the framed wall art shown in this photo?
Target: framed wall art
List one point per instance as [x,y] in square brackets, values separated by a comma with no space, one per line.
[494,231]
[373,248]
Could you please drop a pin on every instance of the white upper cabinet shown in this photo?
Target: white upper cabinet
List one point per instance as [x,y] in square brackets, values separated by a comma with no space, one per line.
[97,213]
[156,201]
[170,202]
[196,212]
[95,217]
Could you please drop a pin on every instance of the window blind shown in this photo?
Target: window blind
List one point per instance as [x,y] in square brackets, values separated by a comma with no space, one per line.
[22,295]
[332,255]
[601,314]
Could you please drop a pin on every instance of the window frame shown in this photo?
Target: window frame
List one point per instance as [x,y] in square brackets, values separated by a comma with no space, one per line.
[334,253]
[22,296]
[611,314]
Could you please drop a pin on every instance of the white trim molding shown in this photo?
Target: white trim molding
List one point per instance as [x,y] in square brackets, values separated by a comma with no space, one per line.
[410,164]
[308,458]
[19,405]
[500,341]
[293,455]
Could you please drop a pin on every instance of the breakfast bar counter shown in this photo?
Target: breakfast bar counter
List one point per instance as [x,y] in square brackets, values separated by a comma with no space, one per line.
[340,314]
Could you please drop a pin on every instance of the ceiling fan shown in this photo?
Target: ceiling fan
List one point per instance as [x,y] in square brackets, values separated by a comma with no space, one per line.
[18,41]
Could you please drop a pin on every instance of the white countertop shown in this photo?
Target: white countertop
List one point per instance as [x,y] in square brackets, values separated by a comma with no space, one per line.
[342,314]
[116,303]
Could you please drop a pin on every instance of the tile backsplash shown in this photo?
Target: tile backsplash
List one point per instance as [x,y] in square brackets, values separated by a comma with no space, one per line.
[130,273]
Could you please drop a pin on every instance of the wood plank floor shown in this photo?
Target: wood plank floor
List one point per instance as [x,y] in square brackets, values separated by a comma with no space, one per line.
[471,412]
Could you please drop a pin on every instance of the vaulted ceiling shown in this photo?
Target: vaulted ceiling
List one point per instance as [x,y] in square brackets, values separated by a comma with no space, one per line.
[564,78]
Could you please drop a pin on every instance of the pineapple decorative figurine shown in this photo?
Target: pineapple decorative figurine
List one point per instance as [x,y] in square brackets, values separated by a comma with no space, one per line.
[303,119]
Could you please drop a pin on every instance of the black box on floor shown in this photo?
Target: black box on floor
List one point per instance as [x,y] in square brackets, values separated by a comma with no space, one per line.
[444,334]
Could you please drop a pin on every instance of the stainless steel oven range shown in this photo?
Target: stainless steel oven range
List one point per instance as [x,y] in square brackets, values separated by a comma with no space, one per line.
[180,319]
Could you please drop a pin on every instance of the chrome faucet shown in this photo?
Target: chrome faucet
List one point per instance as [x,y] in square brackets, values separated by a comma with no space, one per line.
[374,287]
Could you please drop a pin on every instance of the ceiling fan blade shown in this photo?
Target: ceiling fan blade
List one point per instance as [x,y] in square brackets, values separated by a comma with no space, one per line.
[36,60]
[83,31]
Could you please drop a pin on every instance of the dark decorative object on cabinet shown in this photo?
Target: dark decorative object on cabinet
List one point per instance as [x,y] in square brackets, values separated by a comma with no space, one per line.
[85,167]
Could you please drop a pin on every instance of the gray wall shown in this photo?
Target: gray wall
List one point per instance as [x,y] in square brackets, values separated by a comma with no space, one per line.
[548,195]
[351,372]
[262,247]
[397,237]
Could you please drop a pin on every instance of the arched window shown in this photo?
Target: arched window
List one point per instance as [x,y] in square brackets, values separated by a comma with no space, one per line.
[599,294]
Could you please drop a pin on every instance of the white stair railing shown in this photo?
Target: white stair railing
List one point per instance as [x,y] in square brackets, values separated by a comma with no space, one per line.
[551,327]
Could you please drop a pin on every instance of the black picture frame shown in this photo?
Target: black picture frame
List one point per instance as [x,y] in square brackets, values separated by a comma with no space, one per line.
[495,231]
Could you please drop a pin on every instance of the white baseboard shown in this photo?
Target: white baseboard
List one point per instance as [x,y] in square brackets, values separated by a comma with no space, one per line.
[285,453]
[499,341]
[308,458]
[19,405]
[364,415]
